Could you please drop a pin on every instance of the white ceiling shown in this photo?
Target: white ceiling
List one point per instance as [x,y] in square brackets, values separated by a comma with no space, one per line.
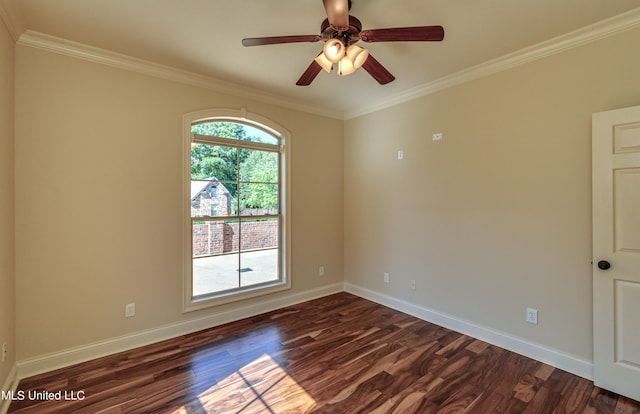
[204,37]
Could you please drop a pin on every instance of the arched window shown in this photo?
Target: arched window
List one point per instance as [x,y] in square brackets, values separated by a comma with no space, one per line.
[236,201]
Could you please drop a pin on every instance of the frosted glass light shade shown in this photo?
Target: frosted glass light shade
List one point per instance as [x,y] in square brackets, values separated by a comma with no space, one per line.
[345,66]
[326,64]
[354,59]
[333,50]
[357,55]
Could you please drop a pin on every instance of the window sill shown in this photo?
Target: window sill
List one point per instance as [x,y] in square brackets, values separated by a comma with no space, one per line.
[213,300]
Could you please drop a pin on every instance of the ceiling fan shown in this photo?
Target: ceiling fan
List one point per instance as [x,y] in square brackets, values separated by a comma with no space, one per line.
[340,31]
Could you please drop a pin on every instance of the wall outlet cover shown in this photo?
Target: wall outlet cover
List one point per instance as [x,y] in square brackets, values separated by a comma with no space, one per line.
[130,310]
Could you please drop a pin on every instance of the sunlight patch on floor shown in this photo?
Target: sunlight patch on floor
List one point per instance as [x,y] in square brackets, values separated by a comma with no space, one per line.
[261,386]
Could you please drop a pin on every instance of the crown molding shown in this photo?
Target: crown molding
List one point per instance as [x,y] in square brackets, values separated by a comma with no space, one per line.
[609,27]
[77,50]
[605,28]
[12,18]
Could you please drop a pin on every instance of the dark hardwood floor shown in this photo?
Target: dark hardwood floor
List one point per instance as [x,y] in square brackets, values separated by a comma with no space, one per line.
[338,354]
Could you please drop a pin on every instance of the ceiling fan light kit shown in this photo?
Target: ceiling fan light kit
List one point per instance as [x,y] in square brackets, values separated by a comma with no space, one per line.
[325,63]
[345,67]
[352,60]
[340,31]
[333,50]
[357,55]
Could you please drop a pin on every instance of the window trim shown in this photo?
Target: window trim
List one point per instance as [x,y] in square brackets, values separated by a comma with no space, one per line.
[241,116]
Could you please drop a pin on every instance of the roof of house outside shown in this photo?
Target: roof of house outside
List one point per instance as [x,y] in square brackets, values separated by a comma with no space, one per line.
[198,186]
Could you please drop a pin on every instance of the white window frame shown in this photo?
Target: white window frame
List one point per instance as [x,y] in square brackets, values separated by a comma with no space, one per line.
[243,117]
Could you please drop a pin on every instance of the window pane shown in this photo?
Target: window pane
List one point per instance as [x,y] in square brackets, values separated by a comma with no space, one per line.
[258,166]
[215,256]
[215,274]
[258,267]
[235,131]
[214,162]
[258,199]
[213,199]
[259,251]
[234,174]
[258,234]
[213,238]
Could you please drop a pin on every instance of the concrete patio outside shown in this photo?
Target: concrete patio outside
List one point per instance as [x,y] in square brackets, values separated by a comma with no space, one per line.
[223,272]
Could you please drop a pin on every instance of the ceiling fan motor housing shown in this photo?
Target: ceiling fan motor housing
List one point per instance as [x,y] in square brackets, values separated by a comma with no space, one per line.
[348,37]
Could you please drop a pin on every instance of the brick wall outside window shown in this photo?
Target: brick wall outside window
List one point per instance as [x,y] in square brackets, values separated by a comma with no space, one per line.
[216,237]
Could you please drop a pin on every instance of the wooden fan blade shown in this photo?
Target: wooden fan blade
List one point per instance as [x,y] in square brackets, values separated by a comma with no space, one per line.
[260,41]
[310,74]
[404,34]
[377,71]
[337,13]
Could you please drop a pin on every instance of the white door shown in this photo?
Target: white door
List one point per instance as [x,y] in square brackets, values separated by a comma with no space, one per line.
[616,250]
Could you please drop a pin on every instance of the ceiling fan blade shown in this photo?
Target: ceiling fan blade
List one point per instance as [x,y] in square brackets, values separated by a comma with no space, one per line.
[310,74]
[338,13]
[260,41]
[404,34]
[377,71]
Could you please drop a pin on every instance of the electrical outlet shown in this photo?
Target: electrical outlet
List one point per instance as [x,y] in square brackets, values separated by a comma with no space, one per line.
[321,271]
[386,278]
[532,316]
[130,310]
[400,154]
[412,284]
[4,351]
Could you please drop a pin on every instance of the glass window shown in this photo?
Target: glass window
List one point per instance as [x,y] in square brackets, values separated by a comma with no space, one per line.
[237,224]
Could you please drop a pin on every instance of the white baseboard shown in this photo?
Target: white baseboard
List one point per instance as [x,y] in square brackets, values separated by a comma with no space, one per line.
[44,363]
[10,385]
[55,360]
[520,346]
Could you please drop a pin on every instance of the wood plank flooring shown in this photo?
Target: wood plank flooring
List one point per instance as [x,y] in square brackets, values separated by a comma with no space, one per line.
[338,354]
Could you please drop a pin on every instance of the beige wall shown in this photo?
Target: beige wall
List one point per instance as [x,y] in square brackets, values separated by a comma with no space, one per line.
[98,169]
[7,274]
[497,216]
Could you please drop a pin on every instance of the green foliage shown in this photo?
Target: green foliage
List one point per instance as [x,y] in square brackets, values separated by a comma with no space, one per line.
[258,169]
[209,161]
[221,129]
[261,169]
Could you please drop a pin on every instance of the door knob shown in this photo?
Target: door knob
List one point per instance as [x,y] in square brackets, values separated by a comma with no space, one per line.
[604,265]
